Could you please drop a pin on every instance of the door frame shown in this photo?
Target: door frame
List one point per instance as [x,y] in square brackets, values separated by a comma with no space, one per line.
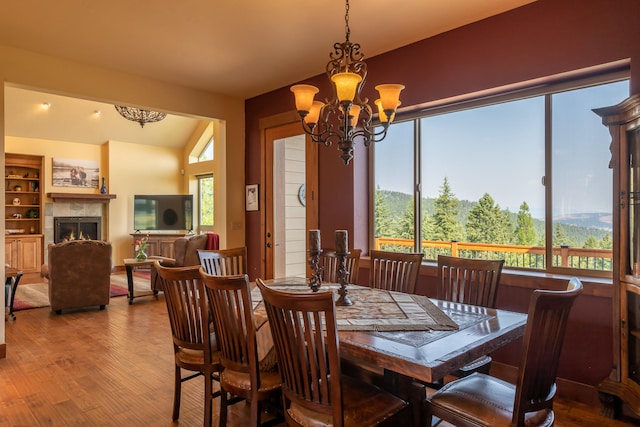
[271,129]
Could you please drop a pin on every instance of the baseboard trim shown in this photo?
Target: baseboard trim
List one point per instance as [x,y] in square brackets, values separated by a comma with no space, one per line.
[567,389]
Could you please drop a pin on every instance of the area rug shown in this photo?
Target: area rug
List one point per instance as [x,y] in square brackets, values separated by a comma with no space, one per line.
[37,294]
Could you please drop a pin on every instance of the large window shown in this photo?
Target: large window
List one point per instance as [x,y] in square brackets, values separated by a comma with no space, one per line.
[525,180]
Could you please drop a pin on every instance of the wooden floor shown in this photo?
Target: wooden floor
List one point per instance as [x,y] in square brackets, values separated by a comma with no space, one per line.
[115,368]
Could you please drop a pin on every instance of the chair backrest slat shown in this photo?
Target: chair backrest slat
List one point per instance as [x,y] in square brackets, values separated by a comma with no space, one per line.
[329,263]
[224,262]
[395,271]
[230,299]
[542,343]
[469,281]
[187,306]
[306,342]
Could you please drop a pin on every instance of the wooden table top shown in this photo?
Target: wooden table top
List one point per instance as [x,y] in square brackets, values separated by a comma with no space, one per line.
[430,355]
[133,261]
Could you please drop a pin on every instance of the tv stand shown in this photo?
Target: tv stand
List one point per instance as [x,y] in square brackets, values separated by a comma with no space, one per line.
[158,244]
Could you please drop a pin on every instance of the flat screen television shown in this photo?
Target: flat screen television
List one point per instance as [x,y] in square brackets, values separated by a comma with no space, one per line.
[163,212]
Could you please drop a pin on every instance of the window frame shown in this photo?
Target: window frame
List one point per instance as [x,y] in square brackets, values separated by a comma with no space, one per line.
[608,73]
[199,179]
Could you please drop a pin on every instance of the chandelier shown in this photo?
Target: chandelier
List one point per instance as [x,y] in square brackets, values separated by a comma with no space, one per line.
[139,115]
[347,72]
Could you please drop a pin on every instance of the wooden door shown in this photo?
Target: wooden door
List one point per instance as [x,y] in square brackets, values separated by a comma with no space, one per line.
[274,198]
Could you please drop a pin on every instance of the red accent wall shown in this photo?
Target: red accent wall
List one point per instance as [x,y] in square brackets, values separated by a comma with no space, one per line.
[540,39]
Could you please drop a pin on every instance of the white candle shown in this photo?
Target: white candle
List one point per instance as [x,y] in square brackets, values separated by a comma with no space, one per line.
[314,240]
[342,245]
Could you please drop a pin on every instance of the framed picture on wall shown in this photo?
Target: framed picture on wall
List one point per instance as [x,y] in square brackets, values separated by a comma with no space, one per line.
[76,173]
[252,203]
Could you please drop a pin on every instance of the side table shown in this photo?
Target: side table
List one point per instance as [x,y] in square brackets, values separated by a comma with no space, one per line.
[130,264]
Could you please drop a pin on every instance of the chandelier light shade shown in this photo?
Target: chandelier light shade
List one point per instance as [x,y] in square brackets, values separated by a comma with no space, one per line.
[347,116]
[139,115]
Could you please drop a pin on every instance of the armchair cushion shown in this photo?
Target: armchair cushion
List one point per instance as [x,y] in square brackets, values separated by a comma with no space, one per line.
[79,274]
[185,254]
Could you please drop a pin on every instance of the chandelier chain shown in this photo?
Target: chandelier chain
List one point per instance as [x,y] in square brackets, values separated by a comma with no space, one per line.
[347,30]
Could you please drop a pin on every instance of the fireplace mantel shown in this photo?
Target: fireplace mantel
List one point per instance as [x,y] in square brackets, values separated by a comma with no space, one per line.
[79,197]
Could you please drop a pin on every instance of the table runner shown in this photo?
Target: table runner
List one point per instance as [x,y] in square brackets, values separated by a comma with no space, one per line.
[373,309]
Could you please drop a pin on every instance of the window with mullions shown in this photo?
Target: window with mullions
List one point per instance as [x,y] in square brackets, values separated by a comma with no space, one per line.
[484,186]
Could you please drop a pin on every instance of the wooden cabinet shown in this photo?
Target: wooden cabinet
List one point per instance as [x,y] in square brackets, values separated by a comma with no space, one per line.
[157,244]
[23,211]
[623,384]
[24,253]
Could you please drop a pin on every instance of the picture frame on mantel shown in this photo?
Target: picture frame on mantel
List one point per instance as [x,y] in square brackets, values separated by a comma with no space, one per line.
[76,173]
[251,198]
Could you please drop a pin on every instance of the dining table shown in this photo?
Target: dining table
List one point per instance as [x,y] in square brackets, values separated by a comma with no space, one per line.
[413,339]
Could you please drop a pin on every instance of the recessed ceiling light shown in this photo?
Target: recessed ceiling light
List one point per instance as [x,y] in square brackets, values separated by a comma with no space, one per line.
[97,112]
[46,105]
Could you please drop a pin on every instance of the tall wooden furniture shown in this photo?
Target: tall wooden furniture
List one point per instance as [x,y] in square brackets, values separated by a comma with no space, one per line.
[623,384]
[314,391]
[484,401]
[194,343]
[23,212]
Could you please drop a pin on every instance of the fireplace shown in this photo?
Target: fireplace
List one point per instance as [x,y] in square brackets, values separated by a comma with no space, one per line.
[76,228]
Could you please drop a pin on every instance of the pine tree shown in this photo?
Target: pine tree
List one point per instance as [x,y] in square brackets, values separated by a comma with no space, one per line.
[383,220]
[446,206]
[487,223]
[406,224]
[560,237]
[525,233]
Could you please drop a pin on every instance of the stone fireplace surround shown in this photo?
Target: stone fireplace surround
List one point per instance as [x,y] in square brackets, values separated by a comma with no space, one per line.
[68,209]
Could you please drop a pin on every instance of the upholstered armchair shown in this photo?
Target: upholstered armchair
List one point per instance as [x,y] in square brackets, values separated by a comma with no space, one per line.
[79,274]
[185,254]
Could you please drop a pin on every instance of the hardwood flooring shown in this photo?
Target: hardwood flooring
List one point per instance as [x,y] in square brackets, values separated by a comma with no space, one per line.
[115,367]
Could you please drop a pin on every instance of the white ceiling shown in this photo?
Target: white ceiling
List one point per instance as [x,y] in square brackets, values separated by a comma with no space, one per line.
[241,48]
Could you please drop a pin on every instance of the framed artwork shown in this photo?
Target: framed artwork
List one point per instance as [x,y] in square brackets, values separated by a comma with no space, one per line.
[251,199]
[76,173]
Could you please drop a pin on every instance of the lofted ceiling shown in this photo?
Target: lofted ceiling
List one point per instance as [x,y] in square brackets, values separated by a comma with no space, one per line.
[241,48]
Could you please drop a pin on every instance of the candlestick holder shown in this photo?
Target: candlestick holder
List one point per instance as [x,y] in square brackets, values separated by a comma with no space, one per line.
[343,299]
[315,281]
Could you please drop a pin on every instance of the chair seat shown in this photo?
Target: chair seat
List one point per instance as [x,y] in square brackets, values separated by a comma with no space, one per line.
[485,401]
[239,383]
[363,405]
[193,360]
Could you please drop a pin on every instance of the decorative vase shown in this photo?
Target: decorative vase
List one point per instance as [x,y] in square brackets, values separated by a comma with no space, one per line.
[141,255]
[103,189]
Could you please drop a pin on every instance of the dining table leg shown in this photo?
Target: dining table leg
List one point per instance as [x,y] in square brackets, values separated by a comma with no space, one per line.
[410,390]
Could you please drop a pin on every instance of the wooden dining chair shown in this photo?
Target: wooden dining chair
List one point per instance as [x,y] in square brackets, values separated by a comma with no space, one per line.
[482,400]
[469,281]
[394,271]
[314,391]
[329,263]
[194,343]
[224,262]
[247,373]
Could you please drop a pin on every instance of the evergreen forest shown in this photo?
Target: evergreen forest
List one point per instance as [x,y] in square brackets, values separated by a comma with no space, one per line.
[447,218]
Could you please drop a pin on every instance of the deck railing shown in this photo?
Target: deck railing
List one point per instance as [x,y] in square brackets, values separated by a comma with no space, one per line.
[514,255]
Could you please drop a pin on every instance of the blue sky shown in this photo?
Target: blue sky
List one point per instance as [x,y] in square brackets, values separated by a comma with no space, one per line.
[499,149]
